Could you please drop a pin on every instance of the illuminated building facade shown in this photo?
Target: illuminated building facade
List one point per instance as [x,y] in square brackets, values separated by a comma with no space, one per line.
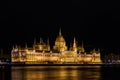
[41,53]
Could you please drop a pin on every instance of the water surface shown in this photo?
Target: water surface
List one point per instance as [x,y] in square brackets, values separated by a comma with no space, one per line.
[59,73]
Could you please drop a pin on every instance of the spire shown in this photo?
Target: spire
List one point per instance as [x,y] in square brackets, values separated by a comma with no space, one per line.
[41,40]
[60,32]
[48,41]
[74,43]
[26,45]
[34,43]
[13,47]
[82,47]
[94,50]
[16,48]
[48,45]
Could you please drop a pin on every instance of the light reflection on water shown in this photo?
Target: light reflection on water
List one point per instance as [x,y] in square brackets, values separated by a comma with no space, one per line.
[56,73]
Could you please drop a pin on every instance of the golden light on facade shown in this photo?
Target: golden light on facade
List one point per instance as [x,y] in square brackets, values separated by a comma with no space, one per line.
[41,53]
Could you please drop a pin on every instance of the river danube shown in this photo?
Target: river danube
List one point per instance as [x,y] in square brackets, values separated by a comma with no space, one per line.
[59,73]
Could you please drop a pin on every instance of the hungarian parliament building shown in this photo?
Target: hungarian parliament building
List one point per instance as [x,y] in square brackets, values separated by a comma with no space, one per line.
[41,53]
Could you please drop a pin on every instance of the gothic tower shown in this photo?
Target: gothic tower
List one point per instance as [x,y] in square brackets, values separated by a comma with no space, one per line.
[74,45]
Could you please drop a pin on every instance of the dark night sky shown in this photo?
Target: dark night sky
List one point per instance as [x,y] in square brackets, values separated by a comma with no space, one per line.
[95,23]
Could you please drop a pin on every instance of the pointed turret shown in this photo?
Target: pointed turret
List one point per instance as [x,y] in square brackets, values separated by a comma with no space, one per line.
[16,48]
[48,45]
[26,45]
[82,47]
[41,40]
[74,42]
[60,32]
[34,43]
[74,45]
[94,50]
[13,47]
[48,41]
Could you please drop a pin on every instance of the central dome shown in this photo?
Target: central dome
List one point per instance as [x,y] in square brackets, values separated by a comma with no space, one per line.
[60,44]
[60,39]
